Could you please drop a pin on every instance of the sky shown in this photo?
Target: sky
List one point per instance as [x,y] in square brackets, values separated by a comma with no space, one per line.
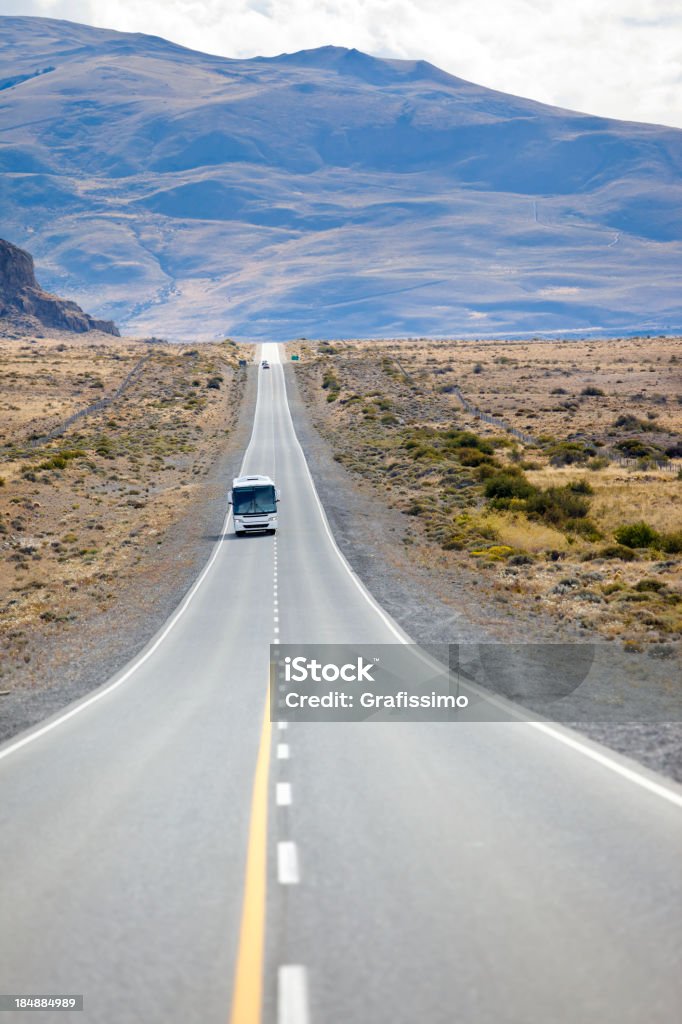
[616,58]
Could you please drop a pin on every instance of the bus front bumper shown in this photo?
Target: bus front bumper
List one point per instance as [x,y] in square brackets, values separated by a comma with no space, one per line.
[255,524]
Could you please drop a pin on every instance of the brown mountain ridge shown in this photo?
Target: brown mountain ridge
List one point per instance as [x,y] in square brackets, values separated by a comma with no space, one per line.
[23,301]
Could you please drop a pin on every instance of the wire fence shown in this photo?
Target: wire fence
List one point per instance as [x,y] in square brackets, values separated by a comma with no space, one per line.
[89,410]
[494,421]
[665,465]
[669,466]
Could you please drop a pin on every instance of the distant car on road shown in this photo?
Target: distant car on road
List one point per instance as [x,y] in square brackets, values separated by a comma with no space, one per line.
[254,504]
[265,365]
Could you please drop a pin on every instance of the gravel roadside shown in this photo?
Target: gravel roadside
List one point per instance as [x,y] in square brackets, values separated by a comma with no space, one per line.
[640,693]
[72,664]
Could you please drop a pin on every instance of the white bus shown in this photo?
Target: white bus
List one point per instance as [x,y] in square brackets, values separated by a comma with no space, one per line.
[254,504]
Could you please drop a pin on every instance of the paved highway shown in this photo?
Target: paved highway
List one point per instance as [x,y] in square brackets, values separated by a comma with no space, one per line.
[173,857]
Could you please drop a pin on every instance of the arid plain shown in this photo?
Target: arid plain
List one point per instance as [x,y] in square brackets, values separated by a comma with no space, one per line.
[85,515]
[579,517]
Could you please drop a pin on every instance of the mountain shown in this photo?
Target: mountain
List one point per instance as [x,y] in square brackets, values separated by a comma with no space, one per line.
[326,193]
[23,301]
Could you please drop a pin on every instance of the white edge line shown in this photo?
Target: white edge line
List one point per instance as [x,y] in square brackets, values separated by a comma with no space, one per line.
[570,739]
[108,688]
[292,995]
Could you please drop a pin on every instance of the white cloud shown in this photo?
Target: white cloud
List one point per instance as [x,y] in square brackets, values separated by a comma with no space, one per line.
[618,58]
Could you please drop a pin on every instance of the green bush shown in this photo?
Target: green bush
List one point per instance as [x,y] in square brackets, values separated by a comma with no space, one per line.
[585,527]
[569,453]
[61,459]
[508,485]
[330,382]
[427,451]
[647,585]
[557,505]
[416,508]
[456,542]
[636,535]
[629,422]
[581,487]
[467,439]
[617,551]
[103,446]
[592,392]
[632,448]
[472,456]
[671,543]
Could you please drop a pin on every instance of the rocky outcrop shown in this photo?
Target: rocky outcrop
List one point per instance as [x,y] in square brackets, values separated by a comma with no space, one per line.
[22,298]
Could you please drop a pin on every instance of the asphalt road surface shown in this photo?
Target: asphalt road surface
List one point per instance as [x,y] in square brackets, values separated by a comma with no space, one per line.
[173,857]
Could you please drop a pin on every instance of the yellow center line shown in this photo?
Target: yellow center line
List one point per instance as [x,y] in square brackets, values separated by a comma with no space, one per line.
[247,998]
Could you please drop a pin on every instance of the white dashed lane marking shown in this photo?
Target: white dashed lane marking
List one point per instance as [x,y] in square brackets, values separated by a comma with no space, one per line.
[292,995]
[282,751]
[288,871]
[283,794]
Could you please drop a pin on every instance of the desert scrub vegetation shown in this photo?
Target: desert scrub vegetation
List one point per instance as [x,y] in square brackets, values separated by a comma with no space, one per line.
[520,514]
[83,512]
[331,384]
[641,535]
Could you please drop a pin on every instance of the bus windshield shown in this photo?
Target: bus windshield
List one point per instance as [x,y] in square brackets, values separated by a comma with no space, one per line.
[253,500]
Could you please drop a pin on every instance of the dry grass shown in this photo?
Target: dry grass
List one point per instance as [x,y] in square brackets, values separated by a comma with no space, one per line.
[524,535]
[622,495]
[622,498]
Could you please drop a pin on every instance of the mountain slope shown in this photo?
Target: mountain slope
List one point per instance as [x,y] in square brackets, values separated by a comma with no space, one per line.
[325,193]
